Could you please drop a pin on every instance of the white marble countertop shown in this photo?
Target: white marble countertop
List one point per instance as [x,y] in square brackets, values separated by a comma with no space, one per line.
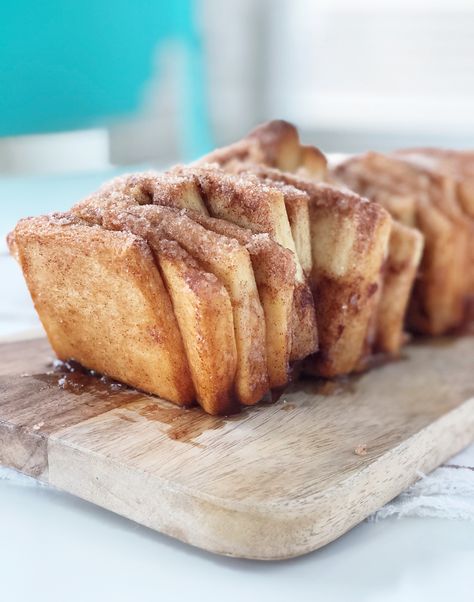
[56,547]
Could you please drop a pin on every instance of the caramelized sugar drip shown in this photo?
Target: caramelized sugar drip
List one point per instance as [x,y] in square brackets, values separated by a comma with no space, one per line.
[72,377]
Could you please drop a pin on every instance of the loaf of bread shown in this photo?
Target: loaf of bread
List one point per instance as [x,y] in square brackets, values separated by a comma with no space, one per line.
[220,281]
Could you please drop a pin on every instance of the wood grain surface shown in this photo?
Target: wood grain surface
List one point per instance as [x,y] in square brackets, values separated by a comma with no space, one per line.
[276,481]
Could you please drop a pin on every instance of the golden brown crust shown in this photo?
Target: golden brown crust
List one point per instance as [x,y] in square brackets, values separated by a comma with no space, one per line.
[243,200]
[439,297]
[458,165]
[102,302]
[274,271]
[313,163]
[403,260]
[274,144]
[246,201]
[458,168]
[429,203]
[349,239]
[320,194]
[235,288]
[205,322]
[169,189]
[296,204]
[230,262]
[92,207]
[344,312]
[204,313]
[280,144]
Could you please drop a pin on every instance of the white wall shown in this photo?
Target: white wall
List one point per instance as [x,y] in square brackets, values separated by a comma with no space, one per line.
[396,69]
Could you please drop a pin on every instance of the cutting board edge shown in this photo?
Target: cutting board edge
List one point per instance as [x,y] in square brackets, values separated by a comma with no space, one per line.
[206,522]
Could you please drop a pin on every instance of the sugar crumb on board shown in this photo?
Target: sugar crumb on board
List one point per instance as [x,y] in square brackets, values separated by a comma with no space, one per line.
[361,449]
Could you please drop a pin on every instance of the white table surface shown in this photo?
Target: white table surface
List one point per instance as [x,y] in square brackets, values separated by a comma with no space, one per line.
[55,547]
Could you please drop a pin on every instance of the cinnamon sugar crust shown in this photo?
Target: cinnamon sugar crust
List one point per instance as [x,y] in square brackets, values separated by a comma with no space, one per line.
[349,242]
[203,309]
[230,263]
[427,200]
[458,165]
[235,258]
[403,260]
[297,209]
[246,201]
[275,144]
[242,200]
[167,189]
[81,279]
[274,271]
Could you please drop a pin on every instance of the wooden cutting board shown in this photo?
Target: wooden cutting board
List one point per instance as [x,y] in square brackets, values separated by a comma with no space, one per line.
[276,481]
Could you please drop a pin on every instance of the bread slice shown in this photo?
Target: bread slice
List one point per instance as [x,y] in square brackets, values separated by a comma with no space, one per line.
[273,266]
[170,190]
[230,263]
[458,165]
[403,260]
[349,241]
[312,164]
[274,270]
[241,200]
[441,292]
[102,302]
[274,144]
[296,204]
[244,200]
[204,313]
[279,143]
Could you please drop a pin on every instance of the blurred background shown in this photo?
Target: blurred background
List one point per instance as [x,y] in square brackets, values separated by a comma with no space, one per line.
[93,88]
[93,84]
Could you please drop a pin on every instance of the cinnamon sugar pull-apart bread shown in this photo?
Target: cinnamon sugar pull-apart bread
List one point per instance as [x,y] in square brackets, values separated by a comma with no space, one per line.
[212,282]
[106,299]
[275,144]
[360,264]
[236,303]
[425,194]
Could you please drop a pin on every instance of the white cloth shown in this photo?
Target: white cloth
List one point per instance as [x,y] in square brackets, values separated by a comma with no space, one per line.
[447,492]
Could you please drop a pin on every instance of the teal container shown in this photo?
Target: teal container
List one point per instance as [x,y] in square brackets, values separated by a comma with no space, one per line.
[77,64]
